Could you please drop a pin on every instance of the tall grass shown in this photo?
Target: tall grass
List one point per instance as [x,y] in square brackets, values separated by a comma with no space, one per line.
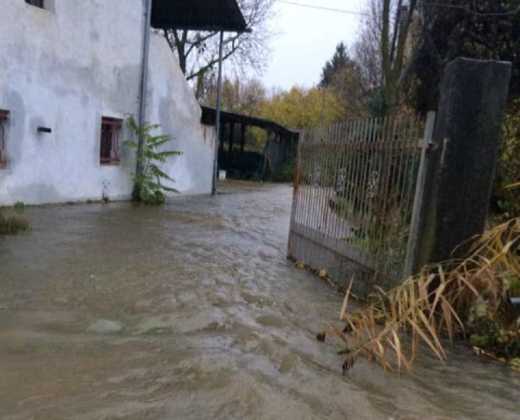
[434,307]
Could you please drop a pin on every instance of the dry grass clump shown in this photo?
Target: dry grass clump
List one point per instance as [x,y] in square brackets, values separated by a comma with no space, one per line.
[439,303]
[13,224]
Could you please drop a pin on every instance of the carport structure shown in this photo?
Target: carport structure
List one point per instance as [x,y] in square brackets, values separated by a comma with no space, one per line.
[280,148]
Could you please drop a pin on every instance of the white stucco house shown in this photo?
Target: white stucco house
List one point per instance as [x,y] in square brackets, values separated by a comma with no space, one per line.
[70,75]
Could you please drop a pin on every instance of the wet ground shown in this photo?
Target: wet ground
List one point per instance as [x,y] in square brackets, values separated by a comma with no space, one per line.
[191,311]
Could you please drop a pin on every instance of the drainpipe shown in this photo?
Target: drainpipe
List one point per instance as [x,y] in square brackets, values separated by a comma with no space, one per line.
[219,106]
[143,89]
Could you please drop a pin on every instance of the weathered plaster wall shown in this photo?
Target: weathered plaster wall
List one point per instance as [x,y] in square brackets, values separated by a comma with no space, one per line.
[67,67]
[172,104]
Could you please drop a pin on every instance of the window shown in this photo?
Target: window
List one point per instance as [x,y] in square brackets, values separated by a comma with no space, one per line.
[110,132]
[37,3]
[3,138]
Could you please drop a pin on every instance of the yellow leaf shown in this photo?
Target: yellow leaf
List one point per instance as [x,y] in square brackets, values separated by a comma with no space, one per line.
[300,265]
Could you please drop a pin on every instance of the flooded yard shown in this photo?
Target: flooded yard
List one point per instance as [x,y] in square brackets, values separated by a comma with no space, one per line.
[191,311]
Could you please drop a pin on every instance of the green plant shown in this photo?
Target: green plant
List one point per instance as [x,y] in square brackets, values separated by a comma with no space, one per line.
[149,187]
[285,173]
[513,284]
[19,206]
[506,196]
[11,225]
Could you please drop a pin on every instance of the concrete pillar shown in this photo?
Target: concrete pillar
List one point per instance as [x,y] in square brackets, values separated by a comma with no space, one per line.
[462,166]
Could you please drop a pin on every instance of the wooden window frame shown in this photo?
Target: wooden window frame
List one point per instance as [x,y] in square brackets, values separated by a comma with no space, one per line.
[36,3]
[4,116]
[111,129]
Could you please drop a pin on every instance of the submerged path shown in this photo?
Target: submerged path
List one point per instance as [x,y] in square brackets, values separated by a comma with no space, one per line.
[191,311]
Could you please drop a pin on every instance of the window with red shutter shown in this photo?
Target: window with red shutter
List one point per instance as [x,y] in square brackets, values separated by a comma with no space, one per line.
[3,138]
[110,133]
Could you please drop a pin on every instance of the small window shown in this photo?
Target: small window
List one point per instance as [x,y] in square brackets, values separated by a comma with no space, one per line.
[110,133]
[36,3]
[3,138]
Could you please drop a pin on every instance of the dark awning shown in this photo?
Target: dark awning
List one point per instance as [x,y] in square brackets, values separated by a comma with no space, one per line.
[198,15]
[209,117]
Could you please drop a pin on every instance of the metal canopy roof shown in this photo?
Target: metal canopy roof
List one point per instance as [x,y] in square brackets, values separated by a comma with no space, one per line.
[209,117]
[198,15]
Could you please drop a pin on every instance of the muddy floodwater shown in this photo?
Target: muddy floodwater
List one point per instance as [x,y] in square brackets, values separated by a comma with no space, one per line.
[192,311]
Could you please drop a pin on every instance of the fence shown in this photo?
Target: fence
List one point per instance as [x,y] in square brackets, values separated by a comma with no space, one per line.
[355,189]
[378,199]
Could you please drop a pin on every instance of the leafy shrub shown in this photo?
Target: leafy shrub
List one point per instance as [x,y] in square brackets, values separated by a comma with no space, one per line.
[19,206]
[286,172]
[149,187]
[507,200]
[11,225]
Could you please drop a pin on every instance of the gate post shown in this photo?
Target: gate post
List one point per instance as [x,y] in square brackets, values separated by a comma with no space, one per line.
[424,173]
[466,138]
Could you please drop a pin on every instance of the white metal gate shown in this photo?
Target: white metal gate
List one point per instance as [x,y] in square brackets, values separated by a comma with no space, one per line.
[356,187]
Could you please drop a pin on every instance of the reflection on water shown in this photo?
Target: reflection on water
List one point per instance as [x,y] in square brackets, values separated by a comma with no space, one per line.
[191,311]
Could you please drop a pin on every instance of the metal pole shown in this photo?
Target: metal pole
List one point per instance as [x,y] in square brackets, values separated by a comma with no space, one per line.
[219,106]
[143,88]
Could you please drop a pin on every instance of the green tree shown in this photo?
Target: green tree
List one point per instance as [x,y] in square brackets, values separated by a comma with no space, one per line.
[507,199]
[240,95]
[396,46]
[487,29]
[343,77]
[301,108]
[339,61]
[384,51]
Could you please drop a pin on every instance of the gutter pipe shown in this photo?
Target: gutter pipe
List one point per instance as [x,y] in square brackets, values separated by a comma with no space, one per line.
[143,89]
[219,111]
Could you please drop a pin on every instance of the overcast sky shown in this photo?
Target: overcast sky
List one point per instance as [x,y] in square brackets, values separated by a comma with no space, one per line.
[307,38]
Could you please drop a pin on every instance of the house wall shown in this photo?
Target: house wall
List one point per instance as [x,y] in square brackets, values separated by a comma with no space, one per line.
[65,68]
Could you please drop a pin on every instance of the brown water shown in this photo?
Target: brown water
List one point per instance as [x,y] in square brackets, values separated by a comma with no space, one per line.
[208,321]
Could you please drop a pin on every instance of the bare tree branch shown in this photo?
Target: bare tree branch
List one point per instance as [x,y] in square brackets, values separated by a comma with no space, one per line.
[198,51]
